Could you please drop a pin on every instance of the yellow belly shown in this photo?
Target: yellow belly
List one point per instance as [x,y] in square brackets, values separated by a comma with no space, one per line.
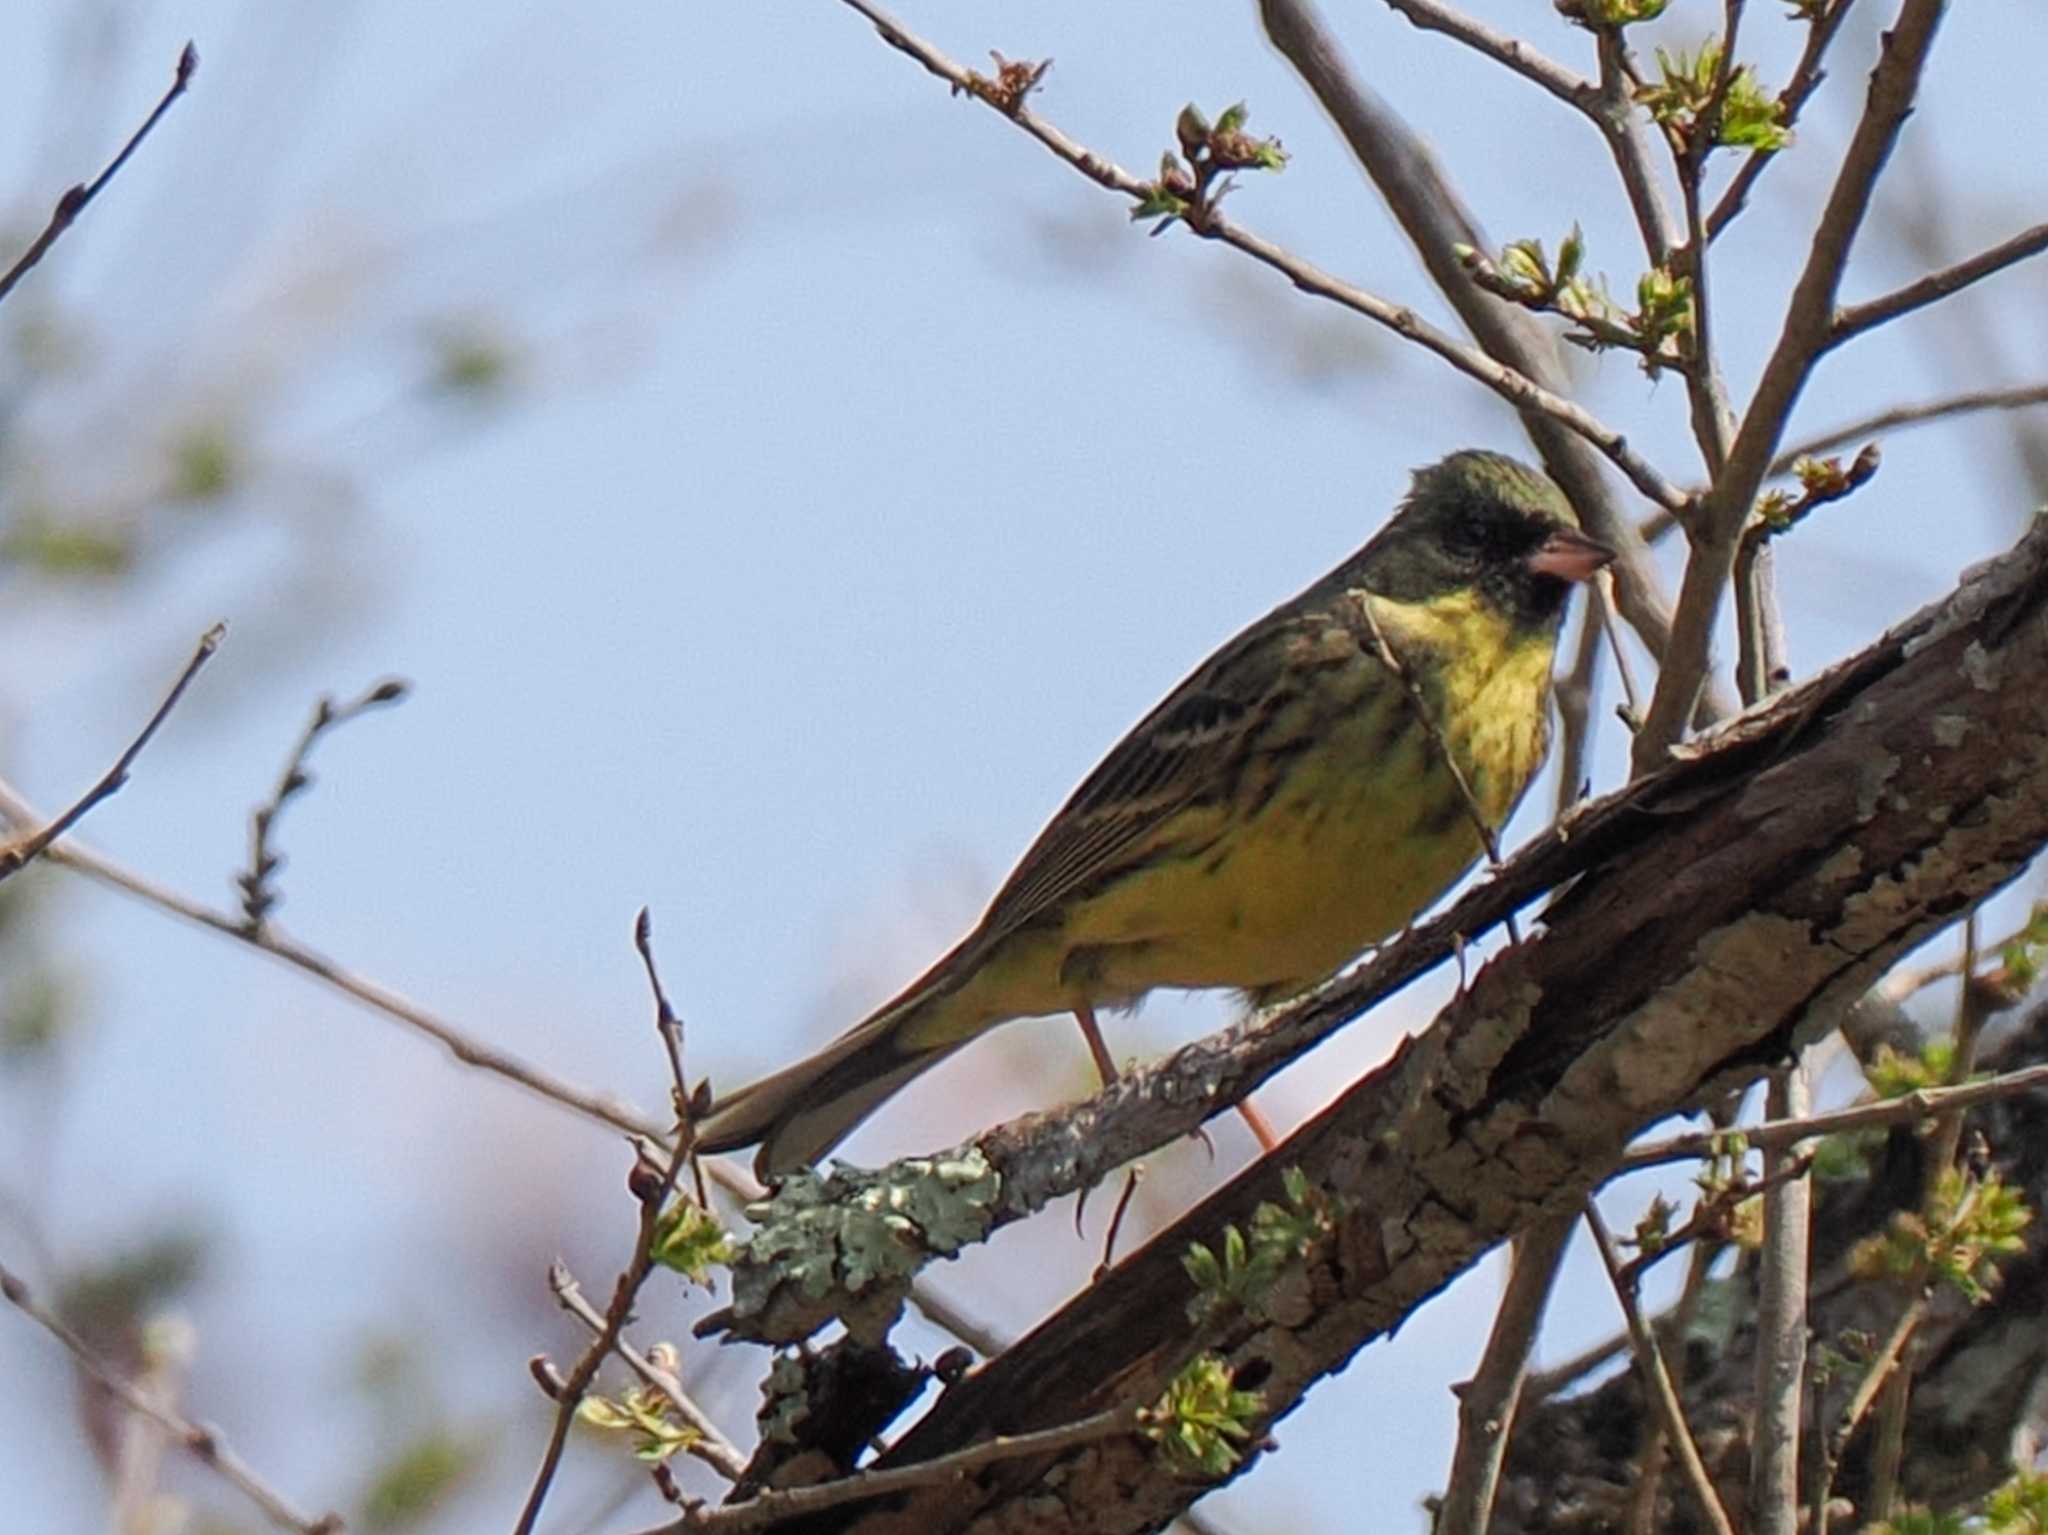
[1350,842]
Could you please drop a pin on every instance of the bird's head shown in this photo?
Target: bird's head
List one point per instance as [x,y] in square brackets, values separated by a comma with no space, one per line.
[1484,522]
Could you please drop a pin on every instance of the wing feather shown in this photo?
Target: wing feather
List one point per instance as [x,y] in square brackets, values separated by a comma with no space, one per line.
[1185,752]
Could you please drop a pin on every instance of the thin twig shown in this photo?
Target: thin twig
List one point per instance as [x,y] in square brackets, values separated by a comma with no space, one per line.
[654,1197]
[14,856]
[1854,319]
[1782,1265]
[1517,388]
[1657,1380]
[1575,693]
[259,895]
[1875,1375]
[1488,1401]
[1909,1108]
[769,1508]
[75,199]
[1802,339]
[1511,53]
[465,1047]
[1488,839]
[1909,415]
[201,1441]
[710,1446]
[1622,124]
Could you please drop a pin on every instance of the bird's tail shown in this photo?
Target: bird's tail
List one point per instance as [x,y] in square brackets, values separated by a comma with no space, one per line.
[803,1111]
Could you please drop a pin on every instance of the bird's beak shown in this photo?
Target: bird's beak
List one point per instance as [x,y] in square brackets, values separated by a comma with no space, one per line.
[1570,554]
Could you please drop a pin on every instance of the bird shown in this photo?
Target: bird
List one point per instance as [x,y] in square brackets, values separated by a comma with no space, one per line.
[1307,791]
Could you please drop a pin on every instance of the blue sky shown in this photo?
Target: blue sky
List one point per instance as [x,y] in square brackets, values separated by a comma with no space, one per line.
[865,475]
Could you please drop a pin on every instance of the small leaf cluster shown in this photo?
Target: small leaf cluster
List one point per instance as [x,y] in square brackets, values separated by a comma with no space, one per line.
[1970,1223]
[1610,15]
[1660,327]
[2019,961]
[1202,1417]
[1188,186]
[1243,1269]
[643,1413]
[1821,480]
[1892,1074]
[689,1240]
[1690,94]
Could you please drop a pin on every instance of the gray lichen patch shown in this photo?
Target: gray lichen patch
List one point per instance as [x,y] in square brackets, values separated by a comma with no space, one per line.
[846,1244]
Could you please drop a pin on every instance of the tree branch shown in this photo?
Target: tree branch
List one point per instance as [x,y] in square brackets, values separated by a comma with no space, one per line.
[1434,218]
[1854,319]
[1487,1402]
[203,1443]
[28,849]
[1802,340]
[1657,1379]
[75,200]
[1735,904]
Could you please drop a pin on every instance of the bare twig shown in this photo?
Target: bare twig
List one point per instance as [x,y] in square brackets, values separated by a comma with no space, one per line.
[1875,1375]
[1567,85]
[769,1508]
[1854,319]
[1623,126]
[75,200]
[465,1047]
[1909,1108]
[1517,388]
[201,1441]
[710,1446]
[1575,692]
[1803,337]
[28,849]
[259,896]
[1909,415]
[1657,1380]
[1487,1402]
[1781,1324]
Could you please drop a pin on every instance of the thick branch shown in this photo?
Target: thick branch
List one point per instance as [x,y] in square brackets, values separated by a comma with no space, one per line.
[1730,907]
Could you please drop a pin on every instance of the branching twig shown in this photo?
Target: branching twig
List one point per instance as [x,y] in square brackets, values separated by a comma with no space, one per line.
[1854,319]
[1806,78]
[769,1508]
[654,1193]
[1803,337]
[15,855]
[1908,1108]
[203,1443]
[259,896]
[1487,1402]
[74,201]
[1515,387]
[710,1446]
[1657,1380]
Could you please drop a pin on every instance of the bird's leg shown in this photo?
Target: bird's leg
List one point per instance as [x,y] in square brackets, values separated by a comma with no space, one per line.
[1254,1117]
[1097,1047]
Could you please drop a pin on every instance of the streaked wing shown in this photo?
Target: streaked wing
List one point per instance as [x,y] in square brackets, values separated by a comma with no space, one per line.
[1186,751]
